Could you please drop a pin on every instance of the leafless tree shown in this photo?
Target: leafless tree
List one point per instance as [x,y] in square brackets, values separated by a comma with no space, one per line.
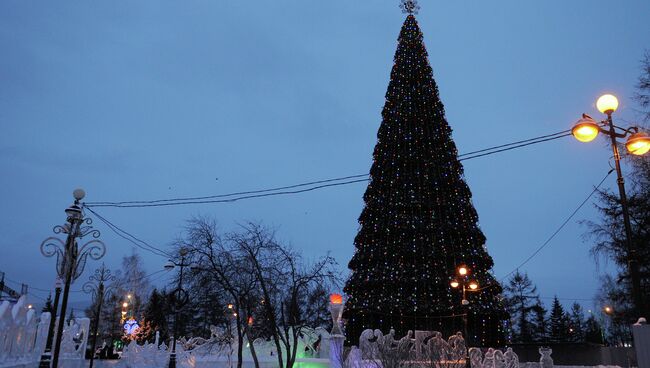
[269,290]
[294,295]
[213,257]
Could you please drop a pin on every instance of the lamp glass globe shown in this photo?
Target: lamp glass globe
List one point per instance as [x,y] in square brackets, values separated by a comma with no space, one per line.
[607,104]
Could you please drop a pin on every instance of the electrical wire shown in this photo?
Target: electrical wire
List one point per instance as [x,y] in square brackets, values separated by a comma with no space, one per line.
[225,198]
[229,200]
[29,288]
[129,237]
[548,240]
[512,147]
[97,204]
[541,138]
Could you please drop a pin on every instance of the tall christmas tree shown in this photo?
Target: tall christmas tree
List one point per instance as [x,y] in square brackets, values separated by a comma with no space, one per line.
[419,224]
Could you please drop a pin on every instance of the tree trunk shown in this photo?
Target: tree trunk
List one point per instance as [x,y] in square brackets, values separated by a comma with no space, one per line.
[254,354]
[240,347]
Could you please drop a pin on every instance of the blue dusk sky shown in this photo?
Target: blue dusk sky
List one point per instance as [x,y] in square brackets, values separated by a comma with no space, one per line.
[156,99]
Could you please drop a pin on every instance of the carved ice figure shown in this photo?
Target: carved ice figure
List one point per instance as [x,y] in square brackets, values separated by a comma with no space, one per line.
[405,345]
[368,344]
[512,360]
[389,340]
[545,360]
[475,358]
[354,358]
[438,347]
[488,360]
[421,340]
[457,347]
[499,359]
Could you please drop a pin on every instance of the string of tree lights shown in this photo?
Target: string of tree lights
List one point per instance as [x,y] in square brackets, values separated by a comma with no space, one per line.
[419,224]
[312,185]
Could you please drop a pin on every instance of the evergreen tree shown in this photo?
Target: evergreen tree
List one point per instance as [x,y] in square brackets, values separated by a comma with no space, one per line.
[559,323]
[577,323]
[520,299]
[48,307]
[593,331]
[419,224]
[155,317]
[540,333]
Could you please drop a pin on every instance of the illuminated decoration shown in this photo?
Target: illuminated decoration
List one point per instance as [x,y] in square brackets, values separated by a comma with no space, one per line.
[250,321]
[131,327]
[585,130]
[336,299]
[409,6]
[229,306]
[638,143]
[607,104]
[608,310]
[418,223]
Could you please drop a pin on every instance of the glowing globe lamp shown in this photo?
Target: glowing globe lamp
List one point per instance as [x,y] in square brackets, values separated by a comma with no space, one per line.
[125,304]
[336,299]
[608,310]
[607,104]
[638,144]
[585,130]
[462,270]
[454,283]
[473,285]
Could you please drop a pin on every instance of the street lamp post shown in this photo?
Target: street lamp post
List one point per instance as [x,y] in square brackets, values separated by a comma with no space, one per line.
[181,300]
[46,357]
[70,258]
[638,143]
[466,284]
[98,289]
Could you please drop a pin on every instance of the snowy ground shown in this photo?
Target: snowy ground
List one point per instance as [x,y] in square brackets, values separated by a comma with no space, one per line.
[74,364]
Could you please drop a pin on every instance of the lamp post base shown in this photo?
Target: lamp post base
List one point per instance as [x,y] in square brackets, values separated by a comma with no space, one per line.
[46,360]
[172,360]
[336,351]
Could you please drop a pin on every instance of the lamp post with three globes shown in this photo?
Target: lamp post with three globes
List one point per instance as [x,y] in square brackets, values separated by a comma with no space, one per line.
[638,143]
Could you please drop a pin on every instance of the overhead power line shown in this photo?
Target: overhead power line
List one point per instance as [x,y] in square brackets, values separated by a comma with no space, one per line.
[29,287]
[550,238]
[131,238]
[311,185]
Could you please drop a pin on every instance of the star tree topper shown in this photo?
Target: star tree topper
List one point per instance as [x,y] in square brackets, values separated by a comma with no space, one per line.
[409,6]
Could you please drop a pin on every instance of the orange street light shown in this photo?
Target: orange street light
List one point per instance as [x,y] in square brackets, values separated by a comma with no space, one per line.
[473,285]
[638,143]
[454,283]
[585,130]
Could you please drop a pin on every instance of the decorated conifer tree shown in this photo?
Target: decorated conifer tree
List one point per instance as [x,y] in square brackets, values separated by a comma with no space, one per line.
[419,224]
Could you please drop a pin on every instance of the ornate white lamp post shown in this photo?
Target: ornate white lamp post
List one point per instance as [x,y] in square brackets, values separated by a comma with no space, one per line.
[336,336]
